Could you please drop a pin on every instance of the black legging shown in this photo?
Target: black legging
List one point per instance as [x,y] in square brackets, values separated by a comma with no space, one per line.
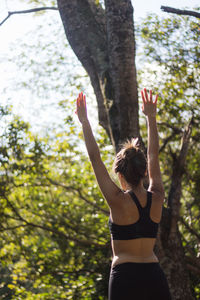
[138,281]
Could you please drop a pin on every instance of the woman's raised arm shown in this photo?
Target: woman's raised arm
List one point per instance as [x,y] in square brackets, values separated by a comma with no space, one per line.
[109,189]
[149,109]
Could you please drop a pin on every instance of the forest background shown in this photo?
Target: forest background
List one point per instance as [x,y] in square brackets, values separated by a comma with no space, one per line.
[55,242]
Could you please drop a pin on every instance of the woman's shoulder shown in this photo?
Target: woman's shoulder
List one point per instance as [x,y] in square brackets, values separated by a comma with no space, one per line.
[157,196]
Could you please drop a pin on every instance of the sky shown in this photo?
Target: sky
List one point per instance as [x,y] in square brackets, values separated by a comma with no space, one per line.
[19,28]
[17,25]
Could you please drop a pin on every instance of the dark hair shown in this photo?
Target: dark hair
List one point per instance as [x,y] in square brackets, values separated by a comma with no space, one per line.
[131,162]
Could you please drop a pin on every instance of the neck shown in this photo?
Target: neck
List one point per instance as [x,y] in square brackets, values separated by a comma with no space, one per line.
[139,187]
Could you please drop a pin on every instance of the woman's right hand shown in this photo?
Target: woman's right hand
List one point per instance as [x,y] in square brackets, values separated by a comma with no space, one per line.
[81,108]
[149,106]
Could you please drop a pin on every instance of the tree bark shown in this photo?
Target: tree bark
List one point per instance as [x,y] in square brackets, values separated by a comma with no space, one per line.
[181,11]
[84,25]
[104,42]
[123,113]
[169,247]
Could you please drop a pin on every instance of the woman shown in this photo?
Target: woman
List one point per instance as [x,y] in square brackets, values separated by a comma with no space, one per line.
[134,212]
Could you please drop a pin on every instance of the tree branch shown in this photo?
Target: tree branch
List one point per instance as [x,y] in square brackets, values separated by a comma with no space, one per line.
[10,13]
[15,210]
[190,229]
[176,185]
[195,261]
[55,231]
[66,187]
[104,211]
[47,228]
[193,269]
[166,141]
[178,168]
[66,236]
[175,129]
[187,247]
[180,11]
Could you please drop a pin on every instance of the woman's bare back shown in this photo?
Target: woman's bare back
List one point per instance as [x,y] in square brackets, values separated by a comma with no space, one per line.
[139,249]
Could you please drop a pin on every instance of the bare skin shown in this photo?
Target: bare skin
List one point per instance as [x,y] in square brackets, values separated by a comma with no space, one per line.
[136,250]
[123,210]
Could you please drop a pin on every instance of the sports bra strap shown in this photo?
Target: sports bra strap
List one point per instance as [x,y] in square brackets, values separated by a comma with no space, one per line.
[140,208]
[149,200]
[135,199]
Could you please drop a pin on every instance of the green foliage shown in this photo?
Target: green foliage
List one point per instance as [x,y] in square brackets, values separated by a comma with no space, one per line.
[170,57]
[54,238]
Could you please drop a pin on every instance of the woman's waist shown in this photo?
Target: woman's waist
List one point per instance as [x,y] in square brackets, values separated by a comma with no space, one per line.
[137,247]
[127,257]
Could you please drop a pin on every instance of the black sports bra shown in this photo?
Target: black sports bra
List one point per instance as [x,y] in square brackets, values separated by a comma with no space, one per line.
[143,228]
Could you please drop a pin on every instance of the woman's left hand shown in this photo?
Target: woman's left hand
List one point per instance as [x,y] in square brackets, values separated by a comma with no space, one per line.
[81,108]
[149,106]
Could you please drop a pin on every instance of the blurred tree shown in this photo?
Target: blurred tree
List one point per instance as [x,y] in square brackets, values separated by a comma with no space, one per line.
[102,36]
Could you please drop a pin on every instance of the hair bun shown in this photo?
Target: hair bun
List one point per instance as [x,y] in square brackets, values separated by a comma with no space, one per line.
[131,162]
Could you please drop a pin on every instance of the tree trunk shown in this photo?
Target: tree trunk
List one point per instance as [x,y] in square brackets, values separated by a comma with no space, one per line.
[123,114]
[104,42]
[169,245]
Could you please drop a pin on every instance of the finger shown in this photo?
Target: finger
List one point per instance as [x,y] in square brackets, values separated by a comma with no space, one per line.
[146,95]
[80,99]
[143,97]
[79,102]
[84,99]
[150,95]
[156,98]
